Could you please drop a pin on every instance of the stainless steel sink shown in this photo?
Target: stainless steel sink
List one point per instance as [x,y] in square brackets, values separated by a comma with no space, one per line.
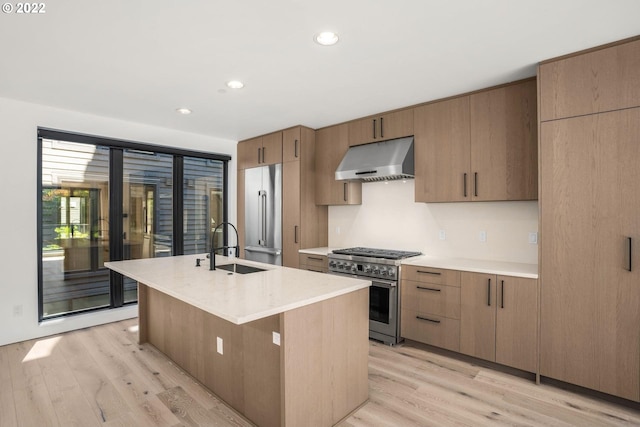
[239,268]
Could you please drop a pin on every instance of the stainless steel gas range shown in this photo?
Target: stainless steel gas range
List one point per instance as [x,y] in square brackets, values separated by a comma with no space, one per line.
[382,267]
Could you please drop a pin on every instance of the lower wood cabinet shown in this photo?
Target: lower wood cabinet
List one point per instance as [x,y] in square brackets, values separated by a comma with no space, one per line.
[318,263]
[498,319]
[430,310]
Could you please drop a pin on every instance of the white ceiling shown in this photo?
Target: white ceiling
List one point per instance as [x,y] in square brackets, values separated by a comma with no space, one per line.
[139,60]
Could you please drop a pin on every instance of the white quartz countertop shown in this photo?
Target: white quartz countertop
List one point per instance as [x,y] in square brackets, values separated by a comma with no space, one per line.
[323,251]
[515,269]
[238,298]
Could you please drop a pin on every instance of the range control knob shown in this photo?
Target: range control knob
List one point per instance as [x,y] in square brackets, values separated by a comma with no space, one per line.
[392,272]
[376,270]
[383,271]
[353,267]
[367,268]
[332,263]
[340,265]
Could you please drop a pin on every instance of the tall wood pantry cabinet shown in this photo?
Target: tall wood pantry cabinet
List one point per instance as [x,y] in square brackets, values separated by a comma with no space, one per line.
[304,224]
[590,219]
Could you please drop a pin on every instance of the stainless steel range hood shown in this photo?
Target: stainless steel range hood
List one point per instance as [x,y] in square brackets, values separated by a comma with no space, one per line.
[378,161]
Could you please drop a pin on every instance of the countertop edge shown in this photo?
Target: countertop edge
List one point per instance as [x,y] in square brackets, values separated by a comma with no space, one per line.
[514,269]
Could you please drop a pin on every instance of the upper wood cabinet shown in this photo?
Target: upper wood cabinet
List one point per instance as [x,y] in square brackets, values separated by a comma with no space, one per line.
[331,145]
[304,224]
[441,147]
[498,319]
[260,151]
[381,127]
[478,147]
[591,82]
[504,143]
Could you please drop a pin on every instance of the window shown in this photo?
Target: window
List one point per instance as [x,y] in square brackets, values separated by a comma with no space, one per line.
[103,199]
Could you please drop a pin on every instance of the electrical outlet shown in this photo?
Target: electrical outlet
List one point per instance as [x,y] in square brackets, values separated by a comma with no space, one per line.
[276,338]
[442,235]
[533,238]
[483,236]
[337,230]
[219,345]
[17,310]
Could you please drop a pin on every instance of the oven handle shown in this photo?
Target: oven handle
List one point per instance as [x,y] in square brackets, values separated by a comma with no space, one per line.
[385,283]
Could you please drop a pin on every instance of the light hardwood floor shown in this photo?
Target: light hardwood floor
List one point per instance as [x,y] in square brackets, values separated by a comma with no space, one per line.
[101,377]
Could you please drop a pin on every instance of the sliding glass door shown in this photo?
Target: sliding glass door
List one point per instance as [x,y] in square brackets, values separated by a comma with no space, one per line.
[75,227]
[107,200]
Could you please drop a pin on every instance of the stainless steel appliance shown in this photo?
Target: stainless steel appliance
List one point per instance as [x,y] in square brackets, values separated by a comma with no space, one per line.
[382,267]
[263,214]
[378,161]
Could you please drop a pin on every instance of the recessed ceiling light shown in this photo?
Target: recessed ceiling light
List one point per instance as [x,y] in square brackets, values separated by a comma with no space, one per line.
[184,111]
[235,84]
[326,38]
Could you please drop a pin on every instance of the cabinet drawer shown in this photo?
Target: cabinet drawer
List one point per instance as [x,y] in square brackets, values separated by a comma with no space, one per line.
[431,298]
[313,262]
[431,275]
[430,329]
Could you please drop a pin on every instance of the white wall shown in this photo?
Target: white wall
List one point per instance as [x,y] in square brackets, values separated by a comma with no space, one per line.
[18,241]
[389,218]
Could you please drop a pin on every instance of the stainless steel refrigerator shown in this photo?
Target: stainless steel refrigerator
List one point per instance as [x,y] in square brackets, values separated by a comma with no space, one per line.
[263,214]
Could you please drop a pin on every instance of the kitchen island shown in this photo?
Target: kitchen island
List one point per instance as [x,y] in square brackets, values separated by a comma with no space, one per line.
[284,347]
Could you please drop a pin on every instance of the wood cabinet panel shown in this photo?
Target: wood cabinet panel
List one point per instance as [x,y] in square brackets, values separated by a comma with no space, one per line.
[272,148]
[504,143]
[431,275]
[381,127]
[478,315]
[430,298]
[516,323]
[260,151]
[249,153]
[317,263]
[291,144]
[593,82]
[291,224]
[431,329]
[331,145]
[590,302]
[442,146]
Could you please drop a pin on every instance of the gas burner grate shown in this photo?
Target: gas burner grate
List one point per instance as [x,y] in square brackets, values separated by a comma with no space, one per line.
[376,253]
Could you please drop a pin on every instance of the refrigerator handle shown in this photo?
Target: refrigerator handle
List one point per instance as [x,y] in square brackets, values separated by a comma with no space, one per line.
[264,219]
[262,213]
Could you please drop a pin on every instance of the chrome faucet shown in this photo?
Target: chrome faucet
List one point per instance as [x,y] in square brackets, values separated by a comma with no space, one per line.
[212,255]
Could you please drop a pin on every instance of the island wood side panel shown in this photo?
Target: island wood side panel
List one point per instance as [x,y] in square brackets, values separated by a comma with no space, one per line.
[318,375]
[246,375]
[325,360]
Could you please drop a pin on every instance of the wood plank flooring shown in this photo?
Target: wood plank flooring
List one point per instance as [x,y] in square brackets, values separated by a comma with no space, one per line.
[101,377]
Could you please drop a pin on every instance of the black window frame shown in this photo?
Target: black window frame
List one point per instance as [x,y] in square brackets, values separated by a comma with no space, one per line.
[116,150]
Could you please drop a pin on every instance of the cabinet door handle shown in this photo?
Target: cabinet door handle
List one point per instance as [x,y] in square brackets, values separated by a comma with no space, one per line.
[374,128]
[464,185]
[314,258]
[259,149]
[628,251]
[428,289]
[344,191]
[295,234]
[489,292]
[295,148]
[502,294]
[435,273]
[475,184]
[381,127]
[427,319]
[317,271]
[263,151]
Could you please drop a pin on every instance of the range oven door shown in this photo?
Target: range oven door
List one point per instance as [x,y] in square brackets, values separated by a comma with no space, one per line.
[383,310]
